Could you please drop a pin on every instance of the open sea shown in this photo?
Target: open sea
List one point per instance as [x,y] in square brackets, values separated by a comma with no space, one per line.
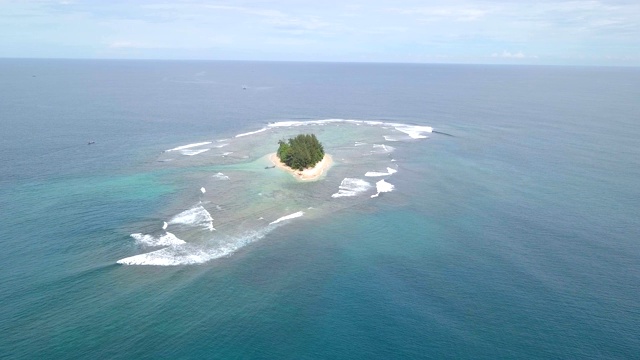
[472,212]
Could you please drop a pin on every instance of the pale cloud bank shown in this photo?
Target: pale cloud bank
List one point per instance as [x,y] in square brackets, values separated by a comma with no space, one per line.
[459,31]
[509,55]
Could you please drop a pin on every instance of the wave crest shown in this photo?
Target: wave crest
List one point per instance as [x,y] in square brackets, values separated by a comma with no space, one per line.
[351,187]
[190,146]
[383,186]
[197,216]
[162,240]
[189,254]
[287,217]
[390,171]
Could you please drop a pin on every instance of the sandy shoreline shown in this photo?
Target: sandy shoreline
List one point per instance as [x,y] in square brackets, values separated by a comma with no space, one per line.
[311,174]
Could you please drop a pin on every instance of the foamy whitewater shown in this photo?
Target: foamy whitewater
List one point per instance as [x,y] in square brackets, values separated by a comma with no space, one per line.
[220,176]
[287,217]
[162,240]
[382,187]
[257,190]
[193,152]
[197,216]
[183,147]
[390,171]
[351,187]
[180,255]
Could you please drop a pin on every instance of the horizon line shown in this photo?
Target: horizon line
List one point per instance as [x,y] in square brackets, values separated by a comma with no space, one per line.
[373,62]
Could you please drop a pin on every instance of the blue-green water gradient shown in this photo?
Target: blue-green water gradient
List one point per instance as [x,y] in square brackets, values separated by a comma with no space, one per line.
[517,237]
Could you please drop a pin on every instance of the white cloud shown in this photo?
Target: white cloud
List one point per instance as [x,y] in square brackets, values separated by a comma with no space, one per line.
[435,13]
[248,10]
[512,55]
[299,26]
[126,45]
[384,30]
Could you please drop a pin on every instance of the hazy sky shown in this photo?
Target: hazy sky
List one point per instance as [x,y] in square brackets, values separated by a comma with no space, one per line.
[605,32]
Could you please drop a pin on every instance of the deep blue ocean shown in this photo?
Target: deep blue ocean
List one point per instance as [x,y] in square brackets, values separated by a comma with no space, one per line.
[512,231]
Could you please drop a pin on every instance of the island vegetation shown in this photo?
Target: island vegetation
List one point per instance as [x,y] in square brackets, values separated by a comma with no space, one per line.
[301,152]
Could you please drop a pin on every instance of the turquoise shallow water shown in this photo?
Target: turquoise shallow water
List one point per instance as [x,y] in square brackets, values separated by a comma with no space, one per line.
[517,237]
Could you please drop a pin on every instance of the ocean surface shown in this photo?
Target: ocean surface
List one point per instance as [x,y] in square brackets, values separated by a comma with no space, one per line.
[472,212]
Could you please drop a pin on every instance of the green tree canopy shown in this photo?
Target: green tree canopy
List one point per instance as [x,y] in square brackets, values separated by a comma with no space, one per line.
[301,152]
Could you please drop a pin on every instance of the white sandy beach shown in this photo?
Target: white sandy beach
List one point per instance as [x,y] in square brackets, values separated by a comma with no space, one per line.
[310,174]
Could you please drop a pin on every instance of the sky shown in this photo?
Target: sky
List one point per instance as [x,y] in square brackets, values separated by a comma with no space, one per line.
[558,32]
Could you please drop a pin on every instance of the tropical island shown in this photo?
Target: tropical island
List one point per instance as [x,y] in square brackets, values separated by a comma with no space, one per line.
[303,156]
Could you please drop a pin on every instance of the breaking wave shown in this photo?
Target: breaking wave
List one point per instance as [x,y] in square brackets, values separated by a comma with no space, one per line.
[351,187]
[190,146]
[382,186]
[252,132]
[414,131]
[190,254]
[197,216]
[162,240]
[221,176]
[377,174]
[193,152]
[383,148]
[291,216]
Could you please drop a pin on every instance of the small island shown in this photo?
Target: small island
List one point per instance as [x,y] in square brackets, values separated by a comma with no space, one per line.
[303,156]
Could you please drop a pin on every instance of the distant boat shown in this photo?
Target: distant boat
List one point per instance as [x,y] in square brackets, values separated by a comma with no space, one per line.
[91,142]
[244,88]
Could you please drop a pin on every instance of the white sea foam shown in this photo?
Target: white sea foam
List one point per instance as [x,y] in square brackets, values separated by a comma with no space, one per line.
[383,186]
[358,143]
[414,131]
[190,254]
[322,122]
[219,146]
[252,132]
[227,153]
[288,217]
[163,240]
[383,148]
[390,138]
[193,152]
[221,176]
[164,225]
[171,256]
[351,187]
[179,255]
[190,146]
[375,173]
[197,216]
